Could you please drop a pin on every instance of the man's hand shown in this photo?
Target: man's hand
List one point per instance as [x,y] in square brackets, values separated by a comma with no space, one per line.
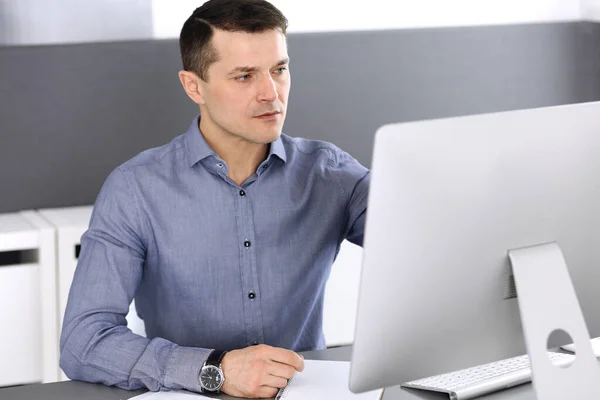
[258,371]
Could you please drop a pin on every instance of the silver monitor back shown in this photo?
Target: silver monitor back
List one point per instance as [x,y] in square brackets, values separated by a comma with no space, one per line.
[448,199]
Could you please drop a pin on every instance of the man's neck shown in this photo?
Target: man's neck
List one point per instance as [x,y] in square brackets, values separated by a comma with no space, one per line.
[242,157]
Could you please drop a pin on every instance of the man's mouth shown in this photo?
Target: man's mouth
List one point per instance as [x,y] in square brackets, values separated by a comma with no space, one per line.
[268,115]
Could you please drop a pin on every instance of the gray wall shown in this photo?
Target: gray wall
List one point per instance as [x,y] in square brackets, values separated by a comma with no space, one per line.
[69,114]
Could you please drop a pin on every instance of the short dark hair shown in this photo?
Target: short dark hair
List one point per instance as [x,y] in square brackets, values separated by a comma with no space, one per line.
[252,16]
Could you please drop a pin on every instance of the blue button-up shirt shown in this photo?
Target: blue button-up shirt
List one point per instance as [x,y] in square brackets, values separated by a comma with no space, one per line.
[211,264]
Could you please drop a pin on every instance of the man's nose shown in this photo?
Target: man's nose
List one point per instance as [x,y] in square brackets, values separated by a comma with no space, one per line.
[268,90]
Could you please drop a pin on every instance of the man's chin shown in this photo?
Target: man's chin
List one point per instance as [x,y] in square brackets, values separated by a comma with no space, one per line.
[266,137]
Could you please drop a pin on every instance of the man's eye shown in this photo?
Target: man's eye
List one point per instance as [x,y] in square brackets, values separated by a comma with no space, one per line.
[280,70]
[243,77]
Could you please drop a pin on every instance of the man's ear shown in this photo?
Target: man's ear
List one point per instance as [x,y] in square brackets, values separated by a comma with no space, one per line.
[191,84]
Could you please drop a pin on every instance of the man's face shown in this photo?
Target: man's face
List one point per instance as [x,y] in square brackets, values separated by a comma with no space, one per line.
[247,88]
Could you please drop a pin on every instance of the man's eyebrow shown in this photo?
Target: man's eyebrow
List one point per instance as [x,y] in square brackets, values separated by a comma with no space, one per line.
[248,69]
[245,69]
[282,62]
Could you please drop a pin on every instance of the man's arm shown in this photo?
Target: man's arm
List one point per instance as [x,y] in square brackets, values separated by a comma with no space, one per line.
[354,180]
[96,345]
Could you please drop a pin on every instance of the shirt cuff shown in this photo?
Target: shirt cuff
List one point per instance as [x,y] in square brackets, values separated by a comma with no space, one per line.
[183,368]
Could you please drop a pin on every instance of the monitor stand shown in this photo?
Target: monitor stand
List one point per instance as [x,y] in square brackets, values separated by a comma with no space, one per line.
[547,302]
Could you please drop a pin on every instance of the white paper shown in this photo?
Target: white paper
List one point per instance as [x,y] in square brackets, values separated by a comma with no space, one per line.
[325,380]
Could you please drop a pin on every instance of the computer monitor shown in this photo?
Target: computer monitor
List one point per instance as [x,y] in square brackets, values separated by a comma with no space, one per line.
[448,199]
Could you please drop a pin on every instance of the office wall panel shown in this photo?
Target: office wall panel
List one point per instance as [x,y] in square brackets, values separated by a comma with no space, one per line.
[69,114]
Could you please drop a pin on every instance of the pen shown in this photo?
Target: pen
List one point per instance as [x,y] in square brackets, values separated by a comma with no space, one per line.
[280,392]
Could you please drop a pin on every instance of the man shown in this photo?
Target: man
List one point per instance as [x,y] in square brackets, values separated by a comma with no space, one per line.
[225,236]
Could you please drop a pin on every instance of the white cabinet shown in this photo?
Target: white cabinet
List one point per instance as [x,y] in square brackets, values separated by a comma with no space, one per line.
[28,339]
[70,223]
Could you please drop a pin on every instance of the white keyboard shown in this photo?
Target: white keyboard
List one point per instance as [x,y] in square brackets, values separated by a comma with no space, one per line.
[476,381]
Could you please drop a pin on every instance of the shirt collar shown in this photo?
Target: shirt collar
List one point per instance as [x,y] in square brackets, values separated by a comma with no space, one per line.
[198,149]
[277,149]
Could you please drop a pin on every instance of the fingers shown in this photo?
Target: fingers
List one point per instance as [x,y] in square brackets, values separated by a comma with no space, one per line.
[274,381]
[281,370]
[266,392]
[288,357]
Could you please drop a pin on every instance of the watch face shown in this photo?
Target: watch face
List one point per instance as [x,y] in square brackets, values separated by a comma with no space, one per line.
[211,378]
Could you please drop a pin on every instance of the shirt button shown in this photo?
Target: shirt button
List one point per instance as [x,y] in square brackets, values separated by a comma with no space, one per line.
[251,295]
[254,343]
[265,166]
[242,193]
[247,243]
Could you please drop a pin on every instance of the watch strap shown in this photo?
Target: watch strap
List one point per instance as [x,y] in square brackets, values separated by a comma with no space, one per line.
[215,357]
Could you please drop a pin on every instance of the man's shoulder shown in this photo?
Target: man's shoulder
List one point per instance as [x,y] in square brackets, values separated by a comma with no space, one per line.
[154,157]
[311,148]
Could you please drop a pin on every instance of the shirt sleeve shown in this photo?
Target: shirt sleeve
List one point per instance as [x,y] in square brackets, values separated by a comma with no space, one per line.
[96,345]
[353,179]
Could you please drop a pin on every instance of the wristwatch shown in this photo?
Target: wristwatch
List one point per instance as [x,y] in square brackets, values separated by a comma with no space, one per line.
[211,375]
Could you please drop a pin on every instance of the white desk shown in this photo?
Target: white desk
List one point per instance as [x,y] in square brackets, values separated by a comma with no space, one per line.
[79,390]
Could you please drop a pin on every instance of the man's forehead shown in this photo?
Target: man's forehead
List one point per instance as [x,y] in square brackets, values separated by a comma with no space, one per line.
[267,47]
